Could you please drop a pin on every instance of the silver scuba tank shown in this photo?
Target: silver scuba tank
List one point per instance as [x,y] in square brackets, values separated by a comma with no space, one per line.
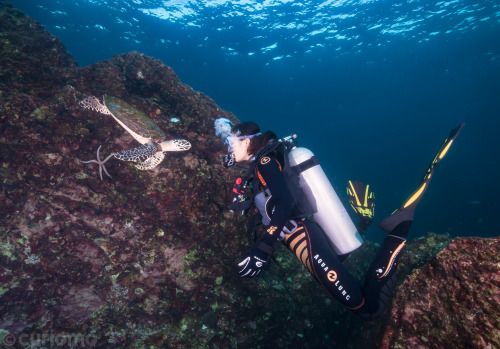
[329,212]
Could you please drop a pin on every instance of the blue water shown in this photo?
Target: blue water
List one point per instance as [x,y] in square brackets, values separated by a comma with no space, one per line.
[372,87]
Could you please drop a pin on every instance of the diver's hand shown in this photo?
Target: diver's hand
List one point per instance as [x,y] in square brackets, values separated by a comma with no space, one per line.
[253,263]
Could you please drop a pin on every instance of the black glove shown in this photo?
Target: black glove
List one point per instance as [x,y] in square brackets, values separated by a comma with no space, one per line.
[253,263]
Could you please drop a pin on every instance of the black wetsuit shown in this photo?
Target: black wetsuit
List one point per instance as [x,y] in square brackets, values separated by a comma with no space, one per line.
[309,244]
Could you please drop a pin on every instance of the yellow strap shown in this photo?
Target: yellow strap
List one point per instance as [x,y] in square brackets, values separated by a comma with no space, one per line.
[445,150]
[366,195]
[415,196]
[355,195]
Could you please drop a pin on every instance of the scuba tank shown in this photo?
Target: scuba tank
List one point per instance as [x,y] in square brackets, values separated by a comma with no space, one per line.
[329,212]
[316,194]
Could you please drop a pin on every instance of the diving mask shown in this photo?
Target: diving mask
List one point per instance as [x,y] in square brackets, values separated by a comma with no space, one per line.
[232,138]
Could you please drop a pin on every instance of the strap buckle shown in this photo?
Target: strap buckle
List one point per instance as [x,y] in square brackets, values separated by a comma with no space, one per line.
[289,228]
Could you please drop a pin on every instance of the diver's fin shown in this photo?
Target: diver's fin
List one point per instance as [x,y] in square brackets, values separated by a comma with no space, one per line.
[362,200]
[406,210]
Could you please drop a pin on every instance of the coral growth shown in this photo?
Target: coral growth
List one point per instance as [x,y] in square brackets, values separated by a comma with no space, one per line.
[452,302]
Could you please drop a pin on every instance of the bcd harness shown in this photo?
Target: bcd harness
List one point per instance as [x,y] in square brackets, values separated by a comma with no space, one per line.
[302,208]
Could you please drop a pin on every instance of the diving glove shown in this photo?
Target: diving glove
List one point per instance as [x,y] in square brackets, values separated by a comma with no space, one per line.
[253,263]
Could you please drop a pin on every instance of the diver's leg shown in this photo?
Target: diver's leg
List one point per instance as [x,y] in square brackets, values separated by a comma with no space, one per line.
[379,280]
[309,244]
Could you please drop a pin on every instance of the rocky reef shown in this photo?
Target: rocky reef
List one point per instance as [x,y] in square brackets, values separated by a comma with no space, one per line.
[451,302]
[148,258]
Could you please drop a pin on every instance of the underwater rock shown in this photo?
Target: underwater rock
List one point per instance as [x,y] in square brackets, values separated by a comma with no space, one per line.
[33,61]
[418,252]
[176,261]
[451,302]
[77,305]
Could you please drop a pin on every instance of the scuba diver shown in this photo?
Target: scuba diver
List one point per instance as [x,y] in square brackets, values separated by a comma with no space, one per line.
[288,187]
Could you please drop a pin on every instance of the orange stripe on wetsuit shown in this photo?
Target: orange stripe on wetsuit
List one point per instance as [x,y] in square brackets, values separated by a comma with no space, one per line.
[299,243]
[270,176]
[261,179]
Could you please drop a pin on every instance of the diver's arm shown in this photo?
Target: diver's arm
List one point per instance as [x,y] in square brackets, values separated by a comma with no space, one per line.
[270,175]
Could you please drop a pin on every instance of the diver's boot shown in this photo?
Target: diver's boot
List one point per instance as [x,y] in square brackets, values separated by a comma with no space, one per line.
[393,224]
[362,200]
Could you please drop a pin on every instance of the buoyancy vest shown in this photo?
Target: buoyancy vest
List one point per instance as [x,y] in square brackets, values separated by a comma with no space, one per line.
[261,195]
[311,191]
